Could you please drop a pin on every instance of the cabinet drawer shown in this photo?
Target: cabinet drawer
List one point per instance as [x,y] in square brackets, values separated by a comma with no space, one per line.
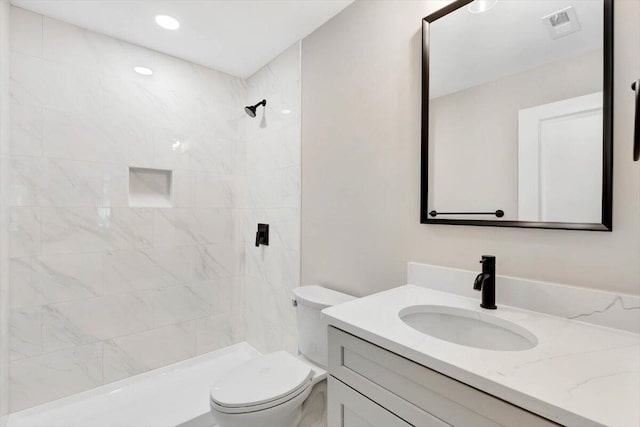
[378,373]
[348,408]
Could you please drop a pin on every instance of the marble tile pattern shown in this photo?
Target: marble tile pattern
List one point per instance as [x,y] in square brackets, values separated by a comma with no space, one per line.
[100,290]
[272,195]
[5,212]
[610,309]
[577,374]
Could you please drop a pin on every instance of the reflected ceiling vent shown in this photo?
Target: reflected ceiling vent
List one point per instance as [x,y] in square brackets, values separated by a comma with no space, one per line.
[562,23]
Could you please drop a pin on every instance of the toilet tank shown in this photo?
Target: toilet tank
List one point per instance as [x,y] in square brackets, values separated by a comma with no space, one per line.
[312,333]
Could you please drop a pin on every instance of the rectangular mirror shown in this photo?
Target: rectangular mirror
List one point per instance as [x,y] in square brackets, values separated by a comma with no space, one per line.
[517,109]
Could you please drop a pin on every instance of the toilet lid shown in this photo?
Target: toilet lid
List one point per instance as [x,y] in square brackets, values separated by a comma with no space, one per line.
[261,380]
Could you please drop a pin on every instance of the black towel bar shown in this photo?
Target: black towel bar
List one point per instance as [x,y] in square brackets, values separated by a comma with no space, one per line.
[635,86]
[499,213]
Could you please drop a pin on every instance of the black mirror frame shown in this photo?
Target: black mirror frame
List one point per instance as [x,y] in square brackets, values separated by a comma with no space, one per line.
[607,137]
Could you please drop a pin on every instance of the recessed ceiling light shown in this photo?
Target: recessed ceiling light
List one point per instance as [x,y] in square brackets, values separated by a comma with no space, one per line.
[143,70]
[479,6]
[167,22]
[286,111]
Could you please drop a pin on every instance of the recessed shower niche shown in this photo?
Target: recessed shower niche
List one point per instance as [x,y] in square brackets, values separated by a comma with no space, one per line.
[150,188]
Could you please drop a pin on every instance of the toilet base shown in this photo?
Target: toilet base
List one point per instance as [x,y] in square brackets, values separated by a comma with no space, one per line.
[314,408]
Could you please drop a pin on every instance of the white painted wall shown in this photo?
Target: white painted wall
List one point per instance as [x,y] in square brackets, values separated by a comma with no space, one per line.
[361,166]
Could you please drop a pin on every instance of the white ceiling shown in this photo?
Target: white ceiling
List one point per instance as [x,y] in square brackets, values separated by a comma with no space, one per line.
[468,49]
[234,36]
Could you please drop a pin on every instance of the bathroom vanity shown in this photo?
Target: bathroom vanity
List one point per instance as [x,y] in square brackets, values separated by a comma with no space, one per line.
[389,369]
[373,386]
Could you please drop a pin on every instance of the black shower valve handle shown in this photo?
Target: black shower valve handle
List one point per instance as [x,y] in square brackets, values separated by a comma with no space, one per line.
[262,235]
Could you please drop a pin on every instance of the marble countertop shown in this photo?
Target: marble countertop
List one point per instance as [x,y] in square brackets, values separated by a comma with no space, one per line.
[578,374]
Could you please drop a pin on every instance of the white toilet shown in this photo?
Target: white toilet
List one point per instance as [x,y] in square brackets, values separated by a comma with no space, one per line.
[270,391]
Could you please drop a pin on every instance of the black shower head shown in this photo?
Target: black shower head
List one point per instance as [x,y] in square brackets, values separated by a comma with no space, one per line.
[251,109]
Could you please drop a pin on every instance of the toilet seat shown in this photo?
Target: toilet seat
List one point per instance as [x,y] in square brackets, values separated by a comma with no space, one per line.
[303,392]
[261,383]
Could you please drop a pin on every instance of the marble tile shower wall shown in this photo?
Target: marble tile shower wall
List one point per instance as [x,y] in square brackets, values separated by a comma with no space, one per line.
[99,290]
[4,240]
[273,196]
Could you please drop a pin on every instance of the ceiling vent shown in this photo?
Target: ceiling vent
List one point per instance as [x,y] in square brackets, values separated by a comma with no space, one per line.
[562,23]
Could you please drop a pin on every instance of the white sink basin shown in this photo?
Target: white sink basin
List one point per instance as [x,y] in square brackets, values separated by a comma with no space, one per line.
[468,327]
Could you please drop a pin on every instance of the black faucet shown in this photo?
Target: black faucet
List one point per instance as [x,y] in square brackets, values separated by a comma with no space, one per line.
[486,281]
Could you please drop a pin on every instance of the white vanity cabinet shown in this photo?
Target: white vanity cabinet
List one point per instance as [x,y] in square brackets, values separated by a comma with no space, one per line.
[370,386]
[355,410]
